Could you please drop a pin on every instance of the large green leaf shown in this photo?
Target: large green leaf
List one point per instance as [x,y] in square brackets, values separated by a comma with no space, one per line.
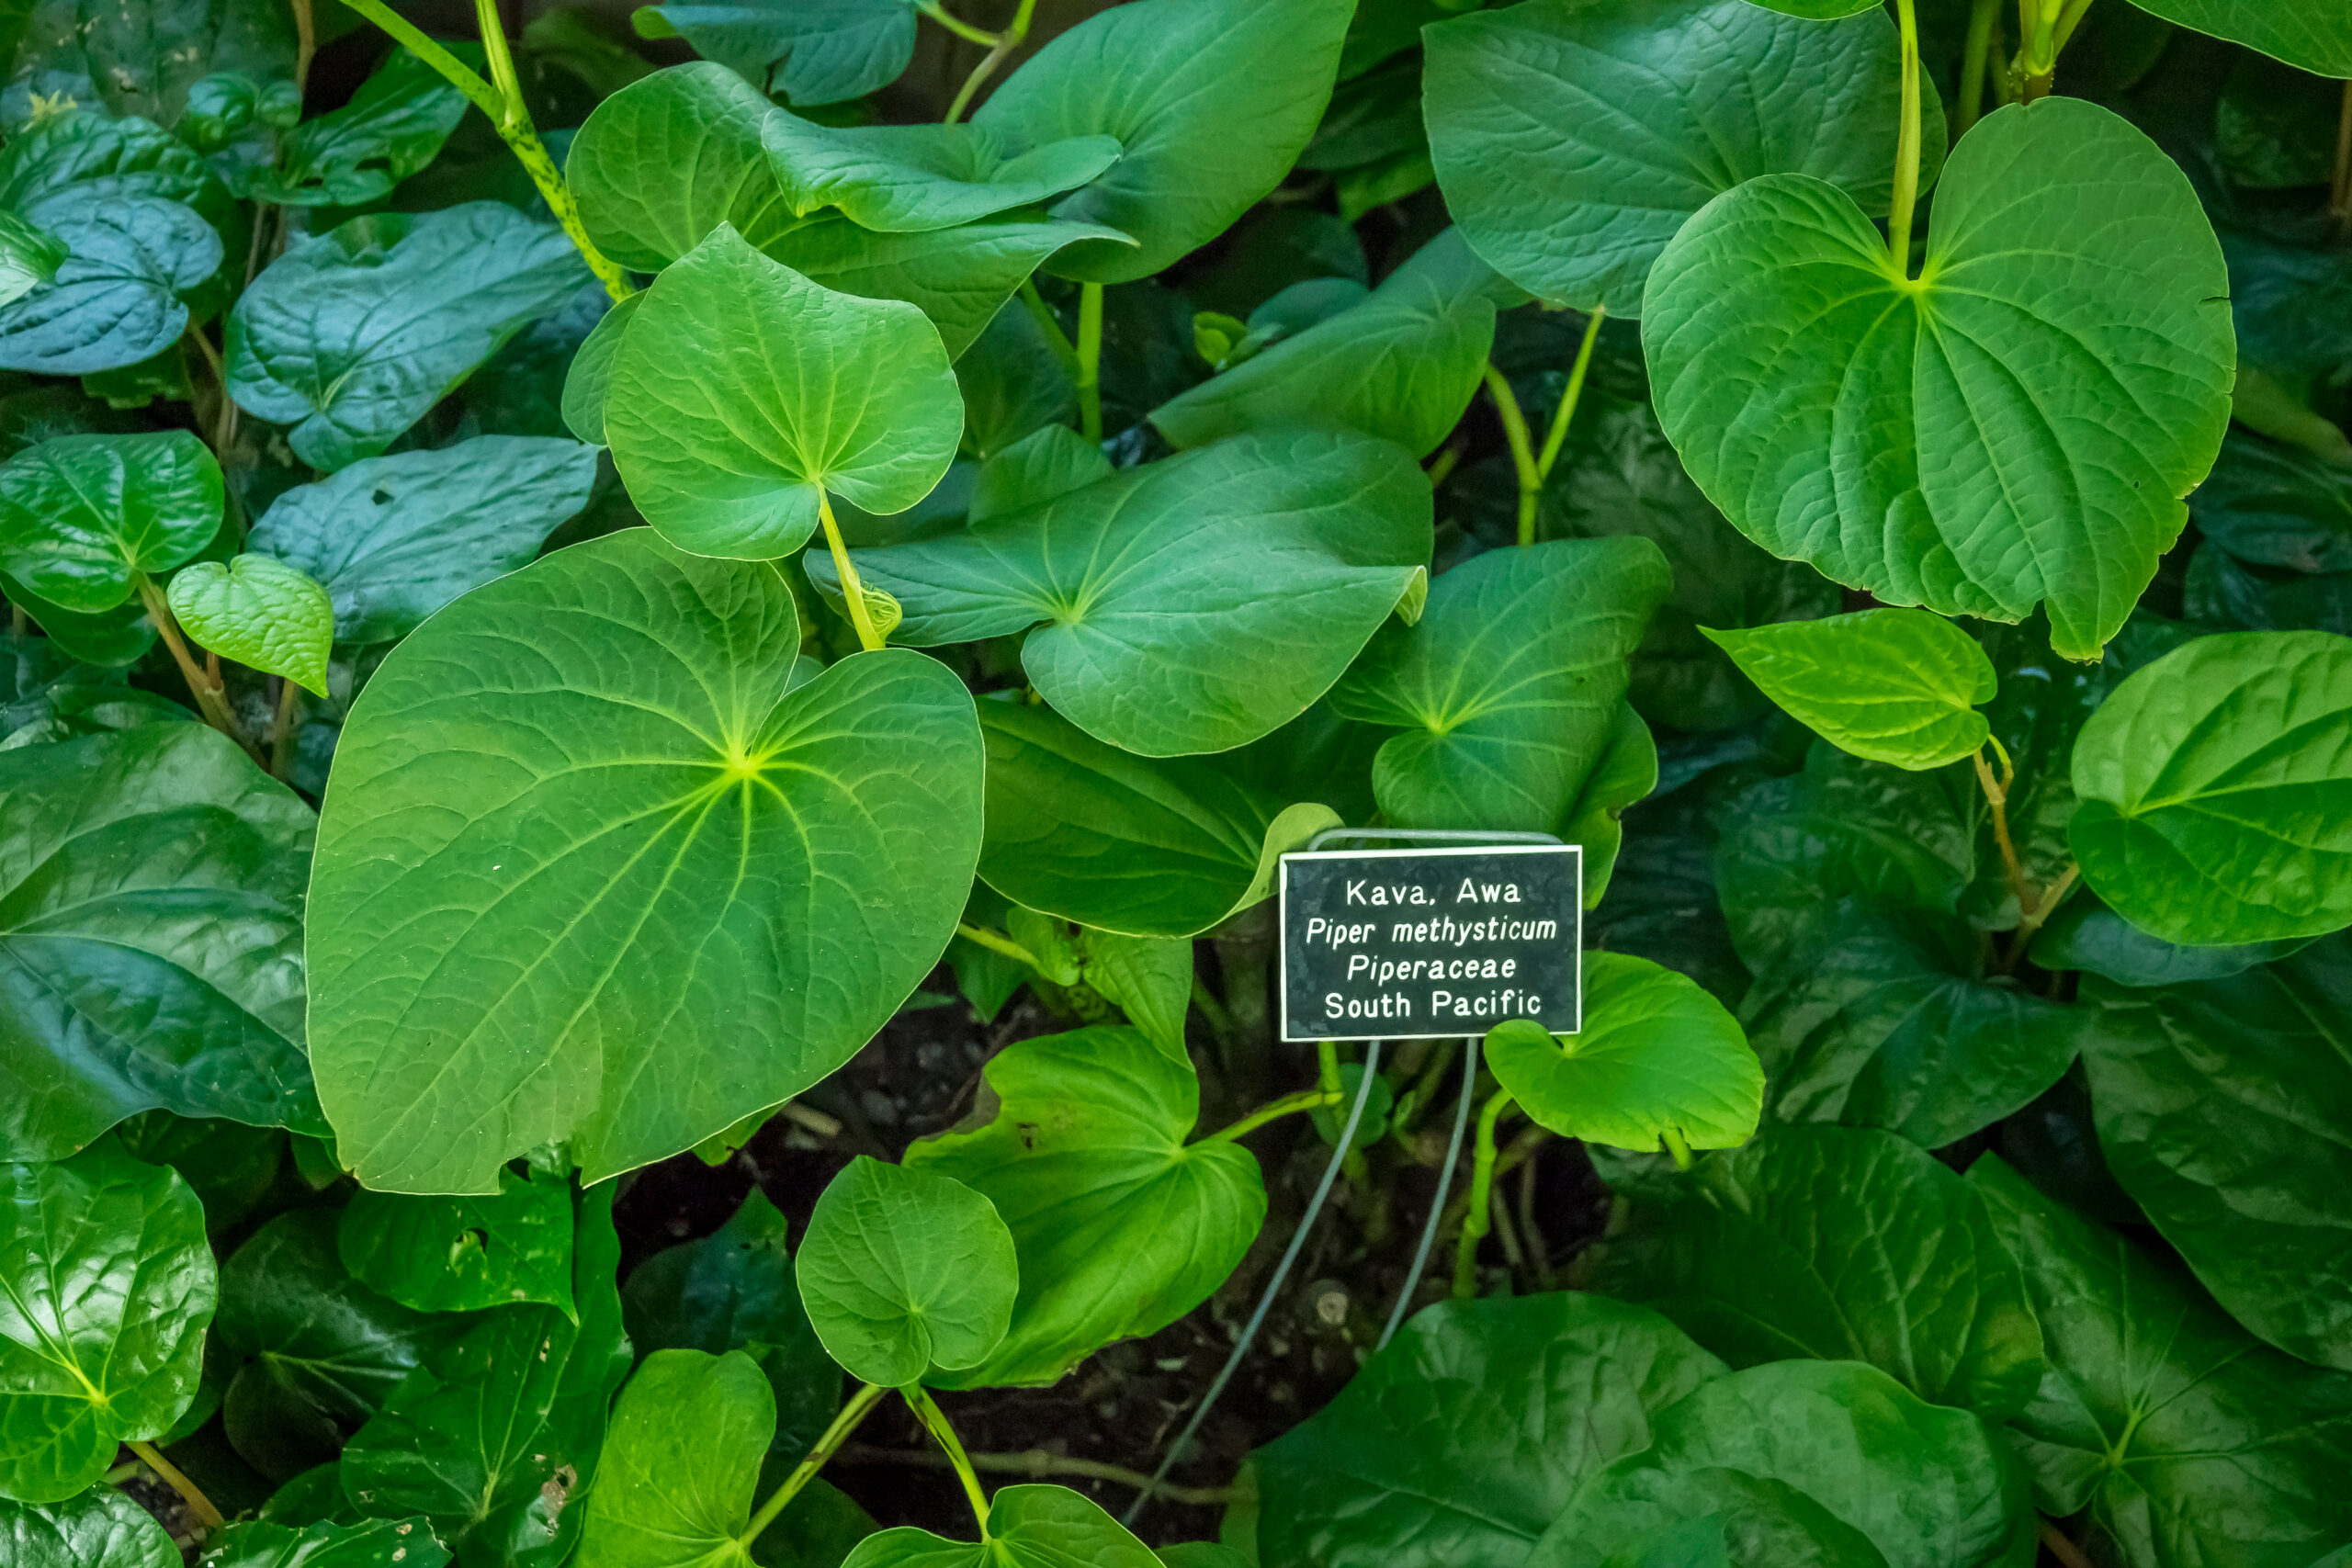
[1508,691]
[1930,1487]
[1843,1244]
[1898,686]
[906,178]
[1931,439]
[323,1351]
[144,57]
[2191,1443]
[735,1290]
[108,1286]
[742,393]
[490,1435]
[153,886]
[666,160]
[260,612]
[1194,839]
[680,1466]
[464,1254]
[1028,1526]
[396,538]
[2223,1110]
[1193,605]
[1203,136]
[1465,1437]
[806,51]
[1403,364]
[2314,33]
[659,891]
[97,1528]
[352,156]
[1658,1058]
[2216,790]
[1573,139]
[351,338]
[378,1543]
[118,296]
[83,517]
[1121,1227]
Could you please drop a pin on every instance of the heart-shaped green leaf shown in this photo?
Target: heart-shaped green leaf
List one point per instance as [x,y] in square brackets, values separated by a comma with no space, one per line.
[1573,140]
[905,178]
[1658,1058]
[903,1272]
[464,1254]
[154,888]
[83,517]
[742,392]
[1193,604]
[30,255]
[1121,1226]
[2216,791]
[97,1528]
[396,538]
[678,1473]
[1934,439]
[804,51]
[1508,688]
[352,338]
[1028,1526]
[666,160]
[1204,134]
[113,158]
[2315,34]
[1196,840]
[260,612]
[116,298]
[110,1285]
[609,760]
[1403,364]
[1898,686]
[393,125]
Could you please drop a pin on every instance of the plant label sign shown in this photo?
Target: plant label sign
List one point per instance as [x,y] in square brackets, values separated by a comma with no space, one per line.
[1431,943]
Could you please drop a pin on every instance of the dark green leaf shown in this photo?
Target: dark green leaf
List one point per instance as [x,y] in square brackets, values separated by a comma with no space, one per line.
[116,298]
[96,1529]
[352,156]
[806,51]
[378,1543]
[144,57]
[2086,934]
[115,159]
[2313,34]
[1898,686]
[464,1254]
[2277,505]
[83,517]
[1013,385]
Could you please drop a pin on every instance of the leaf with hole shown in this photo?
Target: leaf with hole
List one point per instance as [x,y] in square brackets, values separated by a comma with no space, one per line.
[464,1254]
[376,1543]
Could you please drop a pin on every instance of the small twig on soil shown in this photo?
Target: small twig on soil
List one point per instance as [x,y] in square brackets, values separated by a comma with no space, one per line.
[168,1473]
[2062,1546]
[1037,1464]
[814,1120]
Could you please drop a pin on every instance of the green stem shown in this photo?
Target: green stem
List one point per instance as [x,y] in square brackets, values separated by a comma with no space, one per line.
[806,1471]
[2067,23]
[1971,66]
[1089,360]
[306,44]
[1906,146]
[1056,339]
[1478,1213]
[1006,42]
[169,1474]
[1557,432]
[961,29]
[934,1421]
[210,699]
[986,938]
[1327,1067]
[852,586]
[284,726]
[1275,1110]
[510,118]
[1996,795]
[1522,451]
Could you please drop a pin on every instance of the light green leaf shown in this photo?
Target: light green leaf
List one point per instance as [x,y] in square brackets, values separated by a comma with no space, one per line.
[1464,1437]
[1818,10]
[352,156]
[2222,1110]
[1658,1057]
[2315,34]
[109,1286]
[118,296]
[97,1528]
[1625,774]
[82,517]
[742,392]
[1572,140]
[378,1543]
[1914,437]
[591,371]
[396,538]
[907,178]
[677,849]
[1843,1244]
[464,1254]
[1930,1487]
[960,278]
[667,158]
[2216,791]
[1121,1227]
[1149,978]
[679,1471]
[1028,1526]
[2190,1442]
[1193,605]
[352,337]
[1211,101]
[1404,363]
[154,879]
[804,51]
[260,612]
[1508,691]
[1898,686]
[1196,841]
[30,255]
[905,1273]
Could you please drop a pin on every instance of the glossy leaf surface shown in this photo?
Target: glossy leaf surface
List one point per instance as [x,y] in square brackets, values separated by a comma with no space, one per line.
[1898,686]
[807,51]
[376,1543]
[260,612]
[97,1528]
[393,125]
[82,517]
[117,298]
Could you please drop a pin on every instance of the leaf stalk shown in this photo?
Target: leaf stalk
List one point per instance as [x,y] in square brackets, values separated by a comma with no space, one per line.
[1275,1110]
[852,587]
[844,1424]
[1090,361]
[1001,46]
[1907,144]
[169,1474]
[211,695]
[1522,451]
[995,942]
[934,1421]
[1477,1216]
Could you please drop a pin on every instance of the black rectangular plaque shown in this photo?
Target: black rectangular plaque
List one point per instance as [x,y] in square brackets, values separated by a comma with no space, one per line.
[1431,943]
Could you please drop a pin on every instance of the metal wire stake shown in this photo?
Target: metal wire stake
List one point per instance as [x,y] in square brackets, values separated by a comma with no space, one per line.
[1444,1186]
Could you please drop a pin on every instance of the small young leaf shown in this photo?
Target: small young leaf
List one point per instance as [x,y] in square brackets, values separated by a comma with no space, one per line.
[30,255]
[904,1272]
[1028,1526]
[352,156]
[679,1469]
[1658,1058]
[83,516]
[741,391]
[907,178]
[260,612]
[1898,686]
